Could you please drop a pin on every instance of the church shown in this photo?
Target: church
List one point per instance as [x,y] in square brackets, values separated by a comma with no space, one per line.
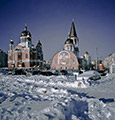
[25,54]
[68,58]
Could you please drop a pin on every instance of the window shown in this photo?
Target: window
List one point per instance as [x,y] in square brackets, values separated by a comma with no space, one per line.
[39,57]
[19,56]
[26,55]
[10,57]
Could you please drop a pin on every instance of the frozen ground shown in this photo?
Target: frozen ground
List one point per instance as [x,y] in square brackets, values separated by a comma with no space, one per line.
[56,98]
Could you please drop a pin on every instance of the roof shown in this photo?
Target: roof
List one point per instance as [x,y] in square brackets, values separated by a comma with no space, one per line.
[39,44]
[73,31]
[25,32]
[69,41]
[86,53]
[11,42]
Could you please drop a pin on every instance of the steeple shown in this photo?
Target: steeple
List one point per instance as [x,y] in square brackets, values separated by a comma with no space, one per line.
[72,40]
[25,29]
[39,44]
[72,31]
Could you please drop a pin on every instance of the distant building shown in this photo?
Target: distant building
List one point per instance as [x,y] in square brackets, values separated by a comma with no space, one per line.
[112,68]
[25,54]
[67,59]
[100,65]
[109,60]
[87,57]
[82,63]
[3,59]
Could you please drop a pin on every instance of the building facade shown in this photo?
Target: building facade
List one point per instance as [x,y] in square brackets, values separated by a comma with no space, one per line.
[112,68]
[108,61]
[25,54]
[3,59]
[67,59]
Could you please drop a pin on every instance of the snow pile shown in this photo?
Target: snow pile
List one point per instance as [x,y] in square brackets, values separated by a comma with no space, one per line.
[56,97]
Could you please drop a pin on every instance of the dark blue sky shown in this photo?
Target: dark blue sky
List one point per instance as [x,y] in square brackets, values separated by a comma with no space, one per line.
[50,21]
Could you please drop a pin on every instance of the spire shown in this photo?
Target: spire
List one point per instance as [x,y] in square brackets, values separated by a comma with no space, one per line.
[72,30]
[25,29]
[39,44]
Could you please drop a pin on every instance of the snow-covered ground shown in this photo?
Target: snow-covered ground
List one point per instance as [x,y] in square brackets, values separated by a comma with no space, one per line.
[56,98]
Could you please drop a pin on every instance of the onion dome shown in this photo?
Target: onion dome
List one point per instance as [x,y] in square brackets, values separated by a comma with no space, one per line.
[69,41]
[26,32]
[86,53]
[39,44]
[11,42]
[76,49]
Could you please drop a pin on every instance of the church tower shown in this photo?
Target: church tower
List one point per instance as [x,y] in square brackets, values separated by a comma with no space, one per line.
[39,51]
[11,45]
[72,43]
[25,38]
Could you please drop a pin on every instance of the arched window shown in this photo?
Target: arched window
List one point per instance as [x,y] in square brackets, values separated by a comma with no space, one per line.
[26,55]
[19,55]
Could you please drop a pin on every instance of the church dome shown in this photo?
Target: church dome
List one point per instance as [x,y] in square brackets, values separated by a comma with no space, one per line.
[86,53]
[11,42]
[69,41]
[25,32]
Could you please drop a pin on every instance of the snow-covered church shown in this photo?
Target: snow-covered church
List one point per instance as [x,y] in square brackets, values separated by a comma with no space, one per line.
[68,58]
[25,54]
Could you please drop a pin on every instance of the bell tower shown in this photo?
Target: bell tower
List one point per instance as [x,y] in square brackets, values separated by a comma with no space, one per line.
[39,51]
[25,38]
[11,45]
[72,43]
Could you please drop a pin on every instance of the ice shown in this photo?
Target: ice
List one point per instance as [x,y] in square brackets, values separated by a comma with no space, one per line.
[56,97]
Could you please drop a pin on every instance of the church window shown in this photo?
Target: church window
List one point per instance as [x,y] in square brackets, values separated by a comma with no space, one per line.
[64,53]
[39,57]
[10,57]
[19,56]
[71,48]
[26,55]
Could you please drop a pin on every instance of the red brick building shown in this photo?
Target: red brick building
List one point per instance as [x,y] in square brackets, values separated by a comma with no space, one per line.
[64,60]
[25,54]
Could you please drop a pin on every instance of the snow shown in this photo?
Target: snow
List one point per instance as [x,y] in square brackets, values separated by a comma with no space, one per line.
[86,75]
[56,98]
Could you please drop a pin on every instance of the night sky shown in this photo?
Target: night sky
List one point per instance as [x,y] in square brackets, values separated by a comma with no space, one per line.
[50,22]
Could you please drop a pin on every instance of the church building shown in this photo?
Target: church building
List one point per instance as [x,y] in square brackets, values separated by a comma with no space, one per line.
[25,54]
[68,59]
